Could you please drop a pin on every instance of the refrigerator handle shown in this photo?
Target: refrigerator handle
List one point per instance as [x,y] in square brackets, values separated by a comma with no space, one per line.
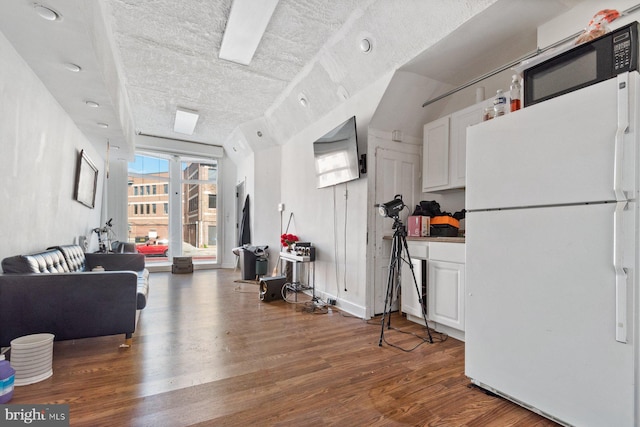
[621,274]
[621,204]
[623,125]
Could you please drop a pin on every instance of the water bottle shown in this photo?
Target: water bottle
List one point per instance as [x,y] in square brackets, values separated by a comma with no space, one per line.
[7,378]
[499,104]
[515,93]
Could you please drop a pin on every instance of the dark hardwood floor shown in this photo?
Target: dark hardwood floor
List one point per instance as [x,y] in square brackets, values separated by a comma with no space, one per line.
[208,352]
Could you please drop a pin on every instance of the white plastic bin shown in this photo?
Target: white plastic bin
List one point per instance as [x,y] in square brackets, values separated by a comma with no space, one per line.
[32,358]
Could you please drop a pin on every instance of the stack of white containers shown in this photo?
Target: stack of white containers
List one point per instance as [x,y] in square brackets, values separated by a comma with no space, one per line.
[32,357]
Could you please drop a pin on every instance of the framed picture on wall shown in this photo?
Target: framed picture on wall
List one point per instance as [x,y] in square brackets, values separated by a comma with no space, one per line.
[86,181]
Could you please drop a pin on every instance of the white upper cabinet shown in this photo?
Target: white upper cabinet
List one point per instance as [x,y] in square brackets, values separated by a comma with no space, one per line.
[435,155]
[460,121]
[444,149]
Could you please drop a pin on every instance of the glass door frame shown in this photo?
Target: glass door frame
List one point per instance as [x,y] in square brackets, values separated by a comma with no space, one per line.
[175,217]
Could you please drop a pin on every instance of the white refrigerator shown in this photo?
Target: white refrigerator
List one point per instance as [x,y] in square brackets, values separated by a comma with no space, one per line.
[552,256]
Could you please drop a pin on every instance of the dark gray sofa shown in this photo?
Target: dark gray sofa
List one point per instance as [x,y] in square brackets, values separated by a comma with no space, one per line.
[56,291]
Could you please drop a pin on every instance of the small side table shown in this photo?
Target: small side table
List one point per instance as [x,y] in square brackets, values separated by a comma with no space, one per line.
[295,285]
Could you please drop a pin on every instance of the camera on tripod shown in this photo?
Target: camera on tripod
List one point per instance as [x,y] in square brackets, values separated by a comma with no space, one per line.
[399,246]
[392,208]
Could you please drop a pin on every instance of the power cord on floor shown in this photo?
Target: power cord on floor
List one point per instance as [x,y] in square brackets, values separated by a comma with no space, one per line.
[438,336]
[248,282]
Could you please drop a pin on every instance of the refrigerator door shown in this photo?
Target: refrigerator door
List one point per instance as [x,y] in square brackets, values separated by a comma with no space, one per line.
[541,311]
[561,151]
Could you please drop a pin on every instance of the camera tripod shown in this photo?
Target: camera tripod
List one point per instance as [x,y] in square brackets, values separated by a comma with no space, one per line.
[395,277]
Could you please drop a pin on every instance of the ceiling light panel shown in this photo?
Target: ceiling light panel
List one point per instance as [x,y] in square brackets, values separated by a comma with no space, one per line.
[186,121]
[247,22]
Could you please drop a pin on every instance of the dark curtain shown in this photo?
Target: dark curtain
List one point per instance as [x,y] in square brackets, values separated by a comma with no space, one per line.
[245,231]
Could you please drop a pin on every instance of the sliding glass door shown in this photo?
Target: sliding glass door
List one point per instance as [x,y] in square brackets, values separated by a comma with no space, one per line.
[172,208]
[200,212]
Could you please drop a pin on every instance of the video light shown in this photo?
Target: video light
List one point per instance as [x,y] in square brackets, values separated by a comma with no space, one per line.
[392,208]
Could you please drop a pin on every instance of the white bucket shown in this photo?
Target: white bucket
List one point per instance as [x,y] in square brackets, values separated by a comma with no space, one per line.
[32,358]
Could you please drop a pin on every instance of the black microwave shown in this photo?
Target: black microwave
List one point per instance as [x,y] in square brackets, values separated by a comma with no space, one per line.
[586,64]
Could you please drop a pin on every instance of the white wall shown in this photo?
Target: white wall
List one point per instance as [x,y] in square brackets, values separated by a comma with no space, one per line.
[265,218]
[578,18]
[227,212]
[336,225]
[39,146]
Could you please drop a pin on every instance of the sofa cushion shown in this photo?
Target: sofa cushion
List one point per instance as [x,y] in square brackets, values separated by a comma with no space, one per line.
[49,261]
[74,255]
[143,288]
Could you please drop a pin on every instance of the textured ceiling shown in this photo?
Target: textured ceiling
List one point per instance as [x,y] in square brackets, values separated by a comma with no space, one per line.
[169,52]
[142,59]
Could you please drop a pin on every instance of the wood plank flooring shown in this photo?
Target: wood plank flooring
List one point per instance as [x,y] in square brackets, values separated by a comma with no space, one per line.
[208,352]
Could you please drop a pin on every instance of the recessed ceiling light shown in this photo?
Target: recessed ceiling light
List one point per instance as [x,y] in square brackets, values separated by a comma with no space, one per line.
[366,45]
[343,93]
[47,13]
[72,67]
[92,104]
[103,125]
[303,100]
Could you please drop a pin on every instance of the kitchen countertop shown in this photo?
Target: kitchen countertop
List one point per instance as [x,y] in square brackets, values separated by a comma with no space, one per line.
[431,239]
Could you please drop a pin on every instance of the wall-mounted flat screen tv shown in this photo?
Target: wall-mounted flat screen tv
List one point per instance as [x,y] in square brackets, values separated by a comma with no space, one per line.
[336,155]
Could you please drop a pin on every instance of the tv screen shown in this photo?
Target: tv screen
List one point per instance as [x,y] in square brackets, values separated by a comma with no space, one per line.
[336,155]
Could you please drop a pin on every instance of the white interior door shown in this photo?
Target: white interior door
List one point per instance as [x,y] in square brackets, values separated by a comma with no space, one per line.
[396,173]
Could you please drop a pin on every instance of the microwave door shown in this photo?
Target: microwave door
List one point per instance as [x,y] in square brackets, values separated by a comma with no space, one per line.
[584,65]
[562,76]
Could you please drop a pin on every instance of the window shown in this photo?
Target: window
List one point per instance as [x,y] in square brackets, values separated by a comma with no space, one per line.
[200,219]
[135,191]
[193,204]
[213,236]
[194,208]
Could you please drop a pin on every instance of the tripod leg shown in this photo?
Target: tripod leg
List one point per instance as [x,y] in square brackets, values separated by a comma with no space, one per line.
[388,301]
[415,282]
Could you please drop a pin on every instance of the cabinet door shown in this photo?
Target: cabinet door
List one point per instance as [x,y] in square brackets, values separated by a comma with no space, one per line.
[435,155]
[409,296]
[460,121]
[446,293]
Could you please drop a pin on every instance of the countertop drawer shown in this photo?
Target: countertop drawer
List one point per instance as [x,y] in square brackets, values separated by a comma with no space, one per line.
[418,250]
[451,252]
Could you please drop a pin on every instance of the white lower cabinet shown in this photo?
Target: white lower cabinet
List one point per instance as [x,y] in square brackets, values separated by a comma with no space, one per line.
[445,295]
[410,302]
[443,281]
